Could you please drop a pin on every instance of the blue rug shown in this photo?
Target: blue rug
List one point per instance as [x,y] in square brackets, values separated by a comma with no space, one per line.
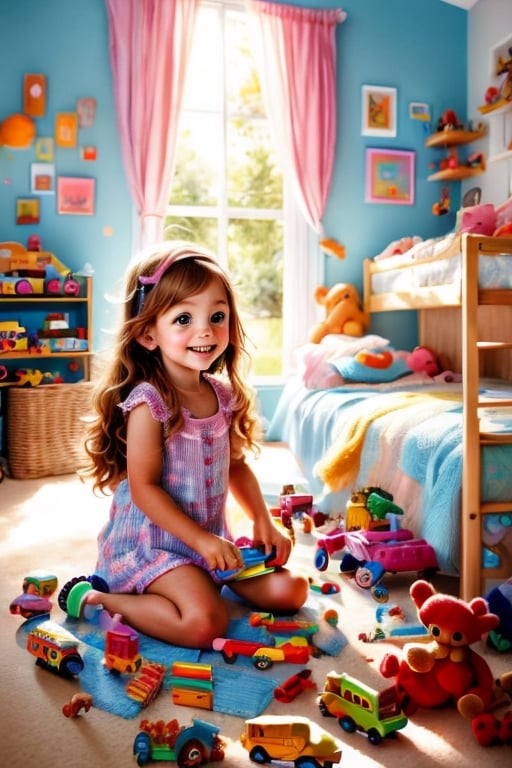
[231,683]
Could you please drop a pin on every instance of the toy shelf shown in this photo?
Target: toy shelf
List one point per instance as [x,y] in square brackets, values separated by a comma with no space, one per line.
[30,310]
[451,139]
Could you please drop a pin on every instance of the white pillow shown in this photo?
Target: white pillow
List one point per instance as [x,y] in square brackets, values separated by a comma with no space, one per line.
[348,346]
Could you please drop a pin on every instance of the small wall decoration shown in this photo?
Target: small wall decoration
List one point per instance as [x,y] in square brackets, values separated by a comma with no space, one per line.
[66,129]
[75,195]
[86,110]
[419,111]
[27,210]
[390,176]
[44,149]
[42,178]
[379,111]
[34,95]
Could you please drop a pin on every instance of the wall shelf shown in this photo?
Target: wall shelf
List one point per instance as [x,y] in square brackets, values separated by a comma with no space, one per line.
[454,138]
[450,140]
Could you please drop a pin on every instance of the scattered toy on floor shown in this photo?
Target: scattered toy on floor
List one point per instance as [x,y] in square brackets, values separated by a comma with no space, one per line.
[356,706]
[77,702]
[289,738]
[55,649]
[446,670]
[293,686]
[193,745]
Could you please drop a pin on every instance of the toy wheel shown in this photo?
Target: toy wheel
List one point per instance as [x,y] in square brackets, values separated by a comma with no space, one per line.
[347,724]
[24,287]
[192,753]
[259,755]
[369,574]
[364,577]
[142,748]
[374,737]
[262,662]
[321,559]
[380,593]
[323,709]
[310,762]
[229,658]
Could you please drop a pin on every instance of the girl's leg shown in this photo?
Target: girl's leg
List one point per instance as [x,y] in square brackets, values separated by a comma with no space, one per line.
[276,592]
[182,607]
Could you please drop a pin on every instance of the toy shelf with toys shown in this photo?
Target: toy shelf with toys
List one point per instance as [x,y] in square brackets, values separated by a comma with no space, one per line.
[46,325]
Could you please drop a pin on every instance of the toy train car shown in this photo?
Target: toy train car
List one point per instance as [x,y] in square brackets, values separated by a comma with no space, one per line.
[55,649]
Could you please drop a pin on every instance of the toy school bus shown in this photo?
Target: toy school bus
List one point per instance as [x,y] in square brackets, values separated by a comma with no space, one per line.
[359,707]
[55,649]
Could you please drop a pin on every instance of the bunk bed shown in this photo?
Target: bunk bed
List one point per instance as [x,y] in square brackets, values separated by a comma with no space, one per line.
[443,448]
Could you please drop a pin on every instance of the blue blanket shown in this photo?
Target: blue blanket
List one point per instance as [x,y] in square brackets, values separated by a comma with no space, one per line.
[414,454]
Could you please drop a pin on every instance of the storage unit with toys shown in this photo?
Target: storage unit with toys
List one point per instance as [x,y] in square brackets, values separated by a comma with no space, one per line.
[45,351]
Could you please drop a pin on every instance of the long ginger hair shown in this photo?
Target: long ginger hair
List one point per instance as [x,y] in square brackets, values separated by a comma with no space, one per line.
[191,272]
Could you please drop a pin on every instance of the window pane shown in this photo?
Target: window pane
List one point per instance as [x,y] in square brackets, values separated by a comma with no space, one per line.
[253,179]
[198,161]
[255,261]
[202,231]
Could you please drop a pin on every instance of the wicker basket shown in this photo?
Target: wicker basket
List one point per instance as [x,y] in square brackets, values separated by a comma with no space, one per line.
[46,429]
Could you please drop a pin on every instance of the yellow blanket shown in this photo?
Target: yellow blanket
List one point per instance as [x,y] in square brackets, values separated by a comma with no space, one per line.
[339,467]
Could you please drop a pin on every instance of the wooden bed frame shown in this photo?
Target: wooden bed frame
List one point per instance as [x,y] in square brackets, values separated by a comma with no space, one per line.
[473,329]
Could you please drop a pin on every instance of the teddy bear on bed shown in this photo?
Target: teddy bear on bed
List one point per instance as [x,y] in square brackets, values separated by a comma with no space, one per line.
[343,312]
[444,671]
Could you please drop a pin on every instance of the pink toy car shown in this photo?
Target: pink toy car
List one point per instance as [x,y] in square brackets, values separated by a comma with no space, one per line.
[371,553]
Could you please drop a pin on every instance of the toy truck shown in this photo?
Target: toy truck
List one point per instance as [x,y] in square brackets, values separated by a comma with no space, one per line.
[289,738]
[196,744]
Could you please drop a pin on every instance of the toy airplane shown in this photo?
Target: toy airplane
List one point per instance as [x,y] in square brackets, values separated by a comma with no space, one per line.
[256,563]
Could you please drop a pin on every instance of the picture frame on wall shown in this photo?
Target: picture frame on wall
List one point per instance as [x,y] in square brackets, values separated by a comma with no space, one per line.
[75,196]
[390,176]
[378,111]
[27,210]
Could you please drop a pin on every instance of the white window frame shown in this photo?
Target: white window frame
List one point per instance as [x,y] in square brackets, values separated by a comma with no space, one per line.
[303,260]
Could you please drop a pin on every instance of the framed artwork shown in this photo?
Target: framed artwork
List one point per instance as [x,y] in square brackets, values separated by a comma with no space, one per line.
[27,210]
[66,129]
[42,178]
[390,176]
[379,111]
[75,196]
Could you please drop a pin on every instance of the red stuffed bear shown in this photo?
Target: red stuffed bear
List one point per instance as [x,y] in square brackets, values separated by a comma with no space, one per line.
[445,670]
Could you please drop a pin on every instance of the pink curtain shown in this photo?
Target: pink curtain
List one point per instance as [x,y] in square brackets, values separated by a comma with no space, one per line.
[149,45]
[298,66]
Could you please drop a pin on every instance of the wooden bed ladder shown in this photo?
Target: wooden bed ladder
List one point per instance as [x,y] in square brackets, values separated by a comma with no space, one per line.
[479,341]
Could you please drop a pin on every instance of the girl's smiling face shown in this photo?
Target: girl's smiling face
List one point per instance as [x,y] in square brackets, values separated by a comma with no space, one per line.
[191,335]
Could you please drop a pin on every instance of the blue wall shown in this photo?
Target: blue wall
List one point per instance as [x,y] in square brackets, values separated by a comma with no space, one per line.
[417,47]
[67,42]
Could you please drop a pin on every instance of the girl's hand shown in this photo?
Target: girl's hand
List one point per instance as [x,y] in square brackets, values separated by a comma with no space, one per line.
[219,554]
[268,534]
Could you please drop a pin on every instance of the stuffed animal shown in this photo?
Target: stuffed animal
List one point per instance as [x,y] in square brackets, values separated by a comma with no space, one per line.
[445,671]
[343,312]
[488,729]
[478,219]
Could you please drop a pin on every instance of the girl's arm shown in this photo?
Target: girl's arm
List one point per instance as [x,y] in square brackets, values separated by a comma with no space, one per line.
[245,489]
[144,462]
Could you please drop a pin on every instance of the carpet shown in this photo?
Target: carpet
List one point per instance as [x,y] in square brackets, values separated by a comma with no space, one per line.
[52,524]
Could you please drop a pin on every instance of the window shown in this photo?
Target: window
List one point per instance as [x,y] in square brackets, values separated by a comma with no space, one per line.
[229,194]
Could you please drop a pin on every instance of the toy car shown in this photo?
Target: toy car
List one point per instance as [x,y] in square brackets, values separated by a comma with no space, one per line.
[28,605]
[188,746]
[289,738]
[371,553]
[358,707]
[263,656]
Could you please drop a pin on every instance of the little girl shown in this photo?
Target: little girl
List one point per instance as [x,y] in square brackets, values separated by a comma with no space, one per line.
[174,420]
